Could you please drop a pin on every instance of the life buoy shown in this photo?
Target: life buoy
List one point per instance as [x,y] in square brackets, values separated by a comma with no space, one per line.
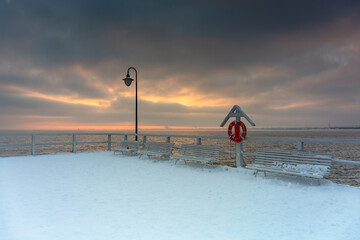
[237,137]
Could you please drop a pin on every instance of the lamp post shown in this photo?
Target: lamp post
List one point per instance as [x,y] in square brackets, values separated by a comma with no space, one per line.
[128,80]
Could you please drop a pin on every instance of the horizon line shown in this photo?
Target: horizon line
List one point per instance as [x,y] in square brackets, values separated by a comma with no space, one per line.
[179,128]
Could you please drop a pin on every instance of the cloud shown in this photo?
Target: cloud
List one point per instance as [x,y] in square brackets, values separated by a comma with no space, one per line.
[284,63]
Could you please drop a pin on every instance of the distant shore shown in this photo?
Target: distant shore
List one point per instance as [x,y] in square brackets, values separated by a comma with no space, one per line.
[182,129]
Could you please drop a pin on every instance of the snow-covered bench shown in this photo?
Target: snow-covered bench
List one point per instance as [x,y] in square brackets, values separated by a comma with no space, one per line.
[198,153]
[129,147]
[157,149]
[292,163]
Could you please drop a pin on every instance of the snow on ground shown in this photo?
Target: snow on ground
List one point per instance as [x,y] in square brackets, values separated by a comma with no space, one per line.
[88,196]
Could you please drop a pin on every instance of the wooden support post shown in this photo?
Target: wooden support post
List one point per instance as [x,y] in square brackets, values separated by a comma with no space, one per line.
[300,146]
[168,139]
[239,156]
[74,143]
[109,142]
[33,145]
[144,140]
[198,141]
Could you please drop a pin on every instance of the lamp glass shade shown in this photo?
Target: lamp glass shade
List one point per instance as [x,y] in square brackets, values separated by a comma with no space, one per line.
[128,80]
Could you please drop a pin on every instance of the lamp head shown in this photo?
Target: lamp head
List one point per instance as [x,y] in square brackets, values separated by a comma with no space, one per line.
[128,80]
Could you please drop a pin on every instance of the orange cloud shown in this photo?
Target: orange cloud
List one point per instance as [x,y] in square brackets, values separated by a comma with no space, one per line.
[59,98]
[294,105]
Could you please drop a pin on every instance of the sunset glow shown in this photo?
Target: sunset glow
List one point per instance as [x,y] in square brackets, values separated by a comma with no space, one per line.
[190,101]
[58,98]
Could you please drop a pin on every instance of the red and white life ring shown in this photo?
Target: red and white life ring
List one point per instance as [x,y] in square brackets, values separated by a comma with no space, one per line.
[237,137]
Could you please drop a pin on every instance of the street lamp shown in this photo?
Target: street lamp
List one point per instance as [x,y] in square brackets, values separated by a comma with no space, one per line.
[128,80]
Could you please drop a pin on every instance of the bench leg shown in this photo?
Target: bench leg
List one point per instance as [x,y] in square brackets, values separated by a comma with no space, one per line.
[178,160]
[256,173]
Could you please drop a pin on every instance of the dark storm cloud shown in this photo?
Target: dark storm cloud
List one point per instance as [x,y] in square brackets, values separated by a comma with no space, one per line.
[67,32]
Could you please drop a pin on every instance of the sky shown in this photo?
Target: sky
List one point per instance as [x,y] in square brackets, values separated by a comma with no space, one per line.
[285,63]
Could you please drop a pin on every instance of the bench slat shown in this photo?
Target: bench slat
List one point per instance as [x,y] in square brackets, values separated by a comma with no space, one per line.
[313,155]
[298,161]
[192,158]
[295,157]
[294,153]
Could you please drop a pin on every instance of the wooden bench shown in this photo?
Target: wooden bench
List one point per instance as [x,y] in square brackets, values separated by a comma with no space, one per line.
[129,147]
[157,149]
[198,153]
[292,163]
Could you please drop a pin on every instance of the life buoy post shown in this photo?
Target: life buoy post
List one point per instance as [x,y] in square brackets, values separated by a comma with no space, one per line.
[238,138]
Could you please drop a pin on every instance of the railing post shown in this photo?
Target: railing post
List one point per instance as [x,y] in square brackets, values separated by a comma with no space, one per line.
[74,143]
[125,137]
[33,144]
[168,139]
[109,142]
[144,140]
[198,141]
[300,146]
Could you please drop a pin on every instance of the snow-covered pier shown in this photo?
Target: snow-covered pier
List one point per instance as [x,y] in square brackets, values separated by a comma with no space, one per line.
[101,196]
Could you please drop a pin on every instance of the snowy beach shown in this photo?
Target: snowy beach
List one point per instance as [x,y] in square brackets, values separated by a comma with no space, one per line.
[101,196]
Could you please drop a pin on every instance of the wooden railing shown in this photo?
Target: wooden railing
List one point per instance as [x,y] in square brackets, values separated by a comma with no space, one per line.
[299,141]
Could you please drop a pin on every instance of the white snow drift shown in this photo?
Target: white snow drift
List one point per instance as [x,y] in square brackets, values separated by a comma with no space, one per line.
[88,196]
